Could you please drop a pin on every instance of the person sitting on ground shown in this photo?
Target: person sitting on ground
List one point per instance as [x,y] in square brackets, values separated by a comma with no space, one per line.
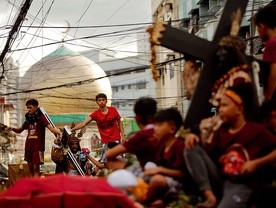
[170,172]
[66,165]
[143,143]
[238,148]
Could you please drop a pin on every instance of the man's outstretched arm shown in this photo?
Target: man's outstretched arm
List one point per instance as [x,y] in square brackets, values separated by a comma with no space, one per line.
[82,124]
[115,151]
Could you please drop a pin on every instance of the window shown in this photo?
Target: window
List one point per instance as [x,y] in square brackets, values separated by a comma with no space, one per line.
[123,87]
[162,71]
[171,68]
[116,104]
[140,86]
[129,86]
[171,64]
[140,70]
[115,89]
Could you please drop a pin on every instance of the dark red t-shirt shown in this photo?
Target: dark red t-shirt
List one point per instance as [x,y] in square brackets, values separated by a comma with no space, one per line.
[107,124]
[35,140]
[254,137]
[270,56]
[270,51]
[143,144]
[173,159]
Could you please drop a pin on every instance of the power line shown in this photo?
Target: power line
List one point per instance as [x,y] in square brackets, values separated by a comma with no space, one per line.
[112,14]
[74,39]
[87,81]
[84,12]
[14,31]
[37,31]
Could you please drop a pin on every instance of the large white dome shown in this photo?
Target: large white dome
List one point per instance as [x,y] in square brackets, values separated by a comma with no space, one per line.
[64,66]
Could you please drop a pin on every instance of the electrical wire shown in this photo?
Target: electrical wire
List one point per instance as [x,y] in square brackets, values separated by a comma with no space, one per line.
[73,39]
[84,12]
[84,81]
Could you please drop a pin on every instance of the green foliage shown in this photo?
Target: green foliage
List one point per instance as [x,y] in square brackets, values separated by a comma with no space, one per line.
[185,201]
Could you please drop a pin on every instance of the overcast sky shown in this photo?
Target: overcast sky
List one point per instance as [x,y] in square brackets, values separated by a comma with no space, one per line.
[74,13]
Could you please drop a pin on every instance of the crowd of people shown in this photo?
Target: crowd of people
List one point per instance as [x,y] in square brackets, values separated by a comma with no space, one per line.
[230,155]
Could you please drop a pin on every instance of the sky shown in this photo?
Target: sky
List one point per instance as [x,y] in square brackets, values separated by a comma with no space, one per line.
[74,13]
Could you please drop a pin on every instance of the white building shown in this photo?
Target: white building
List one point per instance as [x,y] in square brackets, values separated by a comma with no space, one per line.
[169,84]
[9,110]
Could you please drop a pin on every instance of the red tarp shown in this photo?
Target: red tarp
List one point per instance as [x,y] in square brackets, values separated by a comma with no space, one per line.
[64,191]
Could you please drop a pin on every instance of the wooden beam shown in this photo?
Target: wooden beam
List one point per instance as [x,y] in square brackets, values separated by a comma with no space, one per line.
[200,107]
[194,46]
[186,43]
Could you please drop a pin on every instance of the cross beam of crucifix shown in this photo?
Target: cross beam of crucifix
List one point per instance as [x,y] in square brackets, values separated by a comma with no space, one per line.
[204,50]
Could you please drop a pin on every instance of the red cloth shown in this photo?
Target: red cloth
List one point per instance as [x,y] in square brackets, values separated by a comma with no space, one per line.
[107,124]
[143,144]
[270,51]
[173,158]
[64,191]
[254,137]
[36,134]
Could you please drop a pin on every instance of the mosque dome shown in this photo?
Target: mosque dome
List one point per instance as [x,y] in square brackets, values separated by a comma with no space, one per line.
[67,81]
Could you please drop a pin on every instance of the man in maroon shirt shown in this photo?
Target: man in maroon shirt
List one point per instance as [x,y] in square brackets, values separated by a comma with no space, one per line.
[143,143]
[266,27]
[254,138]
[109,124]
[35,143]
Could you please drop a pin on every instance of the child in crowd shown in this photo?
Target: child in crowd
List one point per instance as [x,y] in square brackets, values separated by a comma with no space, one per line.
[170,172]
[239,150]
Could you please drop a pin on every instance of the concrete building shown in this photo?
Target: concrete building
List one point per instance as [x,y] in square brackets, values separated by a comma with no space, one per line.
[198,17]
[168,85]
[201,17]
[10,114]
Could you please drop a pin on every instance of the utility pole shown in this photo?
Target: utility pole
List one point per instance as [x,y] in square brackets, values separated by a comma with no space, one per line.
[14,30]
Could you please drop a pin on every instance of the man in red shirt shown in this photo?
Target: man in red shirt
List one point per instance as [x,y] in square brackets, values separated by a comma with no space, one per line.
[35,143]
[266,27]
[109,124]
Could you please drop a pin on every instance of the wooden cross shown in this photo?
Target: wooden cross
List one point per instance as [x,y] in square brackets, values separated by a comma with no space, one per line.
[204,50]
